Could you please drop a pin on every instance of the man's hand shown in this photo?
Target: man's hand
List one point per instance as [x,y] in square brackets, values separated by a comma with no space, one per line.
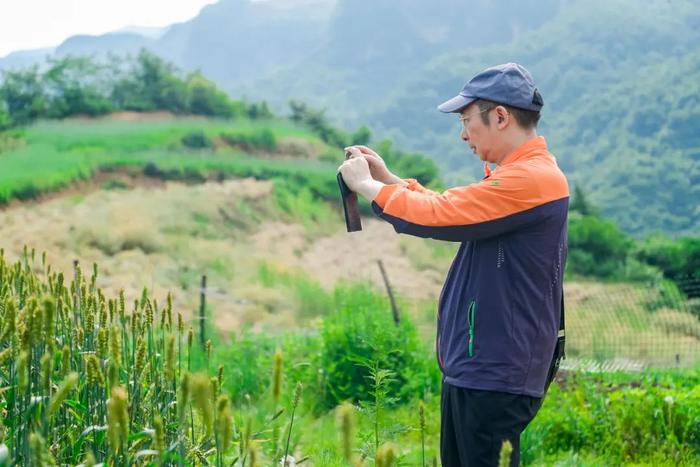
[357,177]
[377,166]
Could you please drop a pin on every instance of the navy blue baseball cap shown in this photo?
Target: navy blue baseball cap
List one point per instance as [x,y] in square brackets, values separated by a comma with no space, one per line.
[508,84]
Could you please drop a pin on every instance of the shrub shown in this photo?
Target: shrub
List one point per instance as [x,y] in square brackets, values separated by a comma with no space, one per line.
[196,139]
[258,140]
[361,331]
[597,247]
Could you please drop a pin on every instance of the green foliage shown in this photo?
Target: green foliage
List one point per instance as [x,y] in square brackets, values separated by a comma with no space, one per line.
[51,155]
[5,120]
[204,98]
[23,95]
[313,300]
[361,330]
[361,136]
[262,139]
[580,203]
[317,121]
[597,247]
[82,86]
[678,259]
[658,419]
[197,139]
[150,83]
[299,202]
[75,86]
[259,111]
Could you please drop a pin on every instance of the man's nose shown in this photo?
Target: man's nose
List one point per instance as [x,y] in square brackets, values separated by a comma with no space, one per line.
[464,135]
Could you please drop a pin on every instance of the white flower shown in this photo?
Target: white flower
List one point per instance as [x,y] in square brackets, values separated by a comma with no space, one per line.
[288,461]
[668,400]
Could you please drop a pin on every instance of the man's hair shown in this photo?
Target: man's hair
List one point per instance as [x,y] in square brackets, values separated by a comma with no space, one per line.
[527,119]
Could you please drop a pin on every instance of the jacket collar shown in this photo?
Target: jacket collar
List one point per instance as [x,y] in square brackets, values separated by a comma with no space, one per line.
[533,146]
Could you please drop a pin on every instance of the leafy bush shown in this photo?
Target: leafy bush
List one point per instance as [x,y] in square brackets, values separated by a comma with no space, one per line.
[263,139]
[679,260]
[597,247]
[5,120]
[361,332]
[196,139]
[204,98]
[659,419]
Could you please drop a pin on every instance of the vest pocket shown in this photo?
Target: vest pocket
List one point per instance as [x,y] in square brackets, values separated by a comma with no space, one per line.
[471,315]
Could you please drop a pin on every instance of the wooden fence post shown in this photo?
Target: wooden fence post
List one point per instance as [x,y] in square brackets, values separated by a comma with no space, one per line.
[394,308]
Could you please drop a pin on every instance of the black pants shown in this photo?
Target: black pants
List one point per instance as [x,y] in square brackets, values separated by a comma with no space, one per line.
[474,424]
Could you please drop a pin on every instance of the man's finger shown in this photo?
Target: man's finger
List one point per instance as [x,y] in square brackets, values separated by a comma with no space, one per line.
[354,152]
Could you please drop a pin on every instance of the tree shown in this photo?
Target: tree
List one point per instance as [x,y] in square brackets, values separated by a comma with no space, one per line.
[597,247]
[259,111]
[679,260]
[23,95]
[580,203]
[5,121]
[204,98]
[76,85]
[299,111]
[361,136]
[150,84]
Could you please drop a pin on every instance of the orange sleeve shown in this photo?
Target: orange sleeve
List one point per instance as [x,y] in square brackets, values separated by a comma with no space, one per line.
[512,191]
[413,185]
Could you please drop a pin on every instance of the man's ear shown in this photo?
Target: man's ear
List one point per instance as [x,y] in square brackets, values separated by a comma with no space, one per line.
[502,117]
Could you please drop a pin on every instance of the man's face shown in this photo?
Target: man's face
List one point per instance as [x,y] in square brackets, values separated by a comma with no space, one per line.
[475,132]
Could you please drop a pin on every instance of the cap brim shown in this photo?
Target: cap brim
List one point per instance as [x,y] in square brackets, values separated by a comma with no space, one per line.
[456,104]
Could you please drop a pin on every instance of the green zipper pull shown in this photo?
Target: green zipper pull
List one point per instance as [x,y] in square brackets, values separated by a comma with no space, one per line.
[470,317]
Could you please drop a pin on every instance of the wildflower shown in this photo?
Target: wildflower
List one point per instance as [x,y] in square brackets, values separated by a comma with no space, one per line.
[288,461]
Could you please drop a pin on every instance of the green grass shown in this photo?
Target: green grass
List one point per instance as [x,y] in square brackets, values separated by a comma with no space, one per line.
[56,154]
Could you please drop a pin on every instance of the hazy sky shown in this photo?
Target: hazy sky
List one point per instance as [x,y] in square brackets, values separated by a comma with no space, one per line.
[29,24]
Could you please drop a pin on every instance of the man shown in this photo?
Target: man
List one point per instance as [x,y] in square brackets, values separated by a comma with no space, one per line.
[500,308]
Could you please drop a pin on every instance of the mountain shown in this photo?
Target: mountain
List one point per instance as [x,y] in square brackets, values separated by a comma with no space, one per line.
[25,58]
[112,43]
[145,31]
[236,42]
